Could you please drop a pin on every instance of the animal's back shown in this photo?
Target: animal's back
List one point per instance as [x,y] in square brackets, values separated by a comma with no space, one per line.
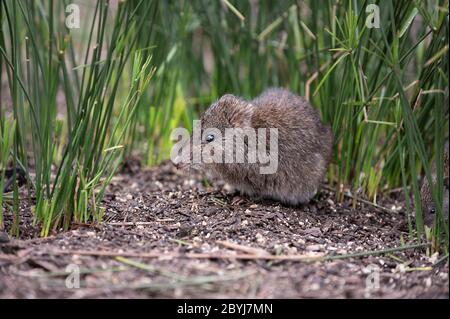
[298,123]
[305,143]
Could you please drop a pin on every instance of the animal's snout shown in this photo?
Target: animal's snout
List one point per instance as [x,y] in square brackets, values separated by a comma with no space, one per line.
[181,165]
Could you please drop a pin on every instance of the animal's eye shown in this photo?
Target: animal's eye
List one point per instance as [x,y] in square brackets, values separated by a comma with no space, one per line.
[432,210]
[210,138]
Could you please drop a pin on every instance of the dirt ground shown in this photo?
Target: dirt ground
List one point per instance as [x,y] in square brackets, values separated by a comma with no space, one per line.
[168,234]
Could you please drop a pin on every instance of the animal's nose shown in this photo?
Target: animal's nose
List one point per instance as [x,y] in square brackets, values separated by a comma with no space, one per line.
[180,165]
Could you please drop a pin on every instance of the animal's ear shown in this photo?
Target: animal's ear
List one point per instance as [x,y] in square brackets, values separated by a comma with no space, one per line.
[239,111]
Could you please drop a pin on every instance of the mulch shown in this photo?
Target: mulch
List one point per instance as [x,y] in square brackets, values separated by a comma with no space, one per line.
[172,234]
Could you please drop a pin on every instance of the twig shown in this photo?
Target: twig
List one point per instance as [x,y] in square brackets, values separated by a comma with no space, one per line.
[187,255]
[375,252]
[347,194]
[180,242]
[408,269]
[245,249]
[298,257]
[8,257]
[218,201]
[396,259]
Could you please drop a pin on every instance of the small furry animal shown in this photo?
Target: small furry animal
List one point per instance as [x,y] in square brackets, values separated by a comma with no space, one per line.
[428,205]
[304,145]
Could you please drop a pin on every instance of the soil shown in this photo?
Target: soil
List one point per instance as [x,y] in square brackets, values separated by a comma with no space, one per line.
[170,234]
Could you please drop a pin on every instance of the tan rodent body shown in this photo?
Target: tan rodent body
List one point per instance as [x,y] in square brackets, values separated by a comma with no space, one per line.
[428,205]
[304,145]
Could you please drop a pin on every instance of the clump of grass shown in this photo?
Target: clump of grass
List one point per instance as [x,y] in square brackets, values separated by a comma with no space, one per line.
[72,169]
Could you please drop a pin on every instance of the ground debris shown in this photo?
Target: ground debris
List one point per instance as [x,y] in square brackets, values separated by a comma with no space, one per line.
[165,234]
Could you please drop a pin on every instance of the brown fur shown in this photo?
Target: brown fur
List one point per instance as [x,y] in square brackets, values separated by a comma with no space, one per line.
[304,145]
[428,206]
